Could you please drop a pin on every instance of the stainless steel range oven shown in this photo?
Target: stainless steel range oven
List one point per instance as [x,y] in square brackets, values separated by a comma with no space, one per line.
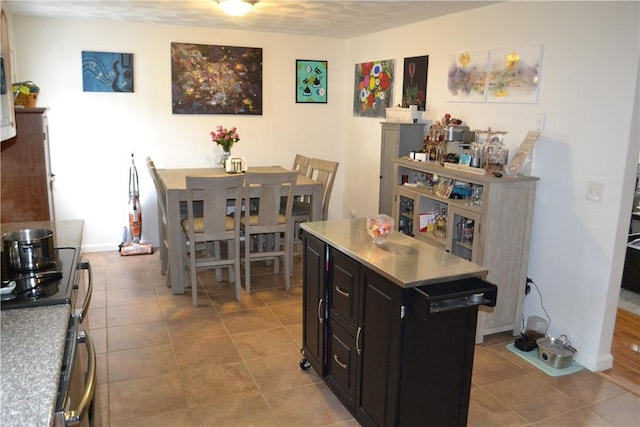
[63,283]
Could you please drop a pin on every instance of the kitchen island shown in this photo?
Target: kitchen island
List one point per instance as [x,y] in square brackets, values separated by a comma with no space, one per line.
[32,343]
[390,328]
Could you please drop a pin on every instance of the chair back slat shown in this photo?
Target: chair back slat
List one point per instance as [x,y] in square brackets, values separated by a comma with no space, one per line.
[214,193]
[301,164]
[324,171]
[267,190]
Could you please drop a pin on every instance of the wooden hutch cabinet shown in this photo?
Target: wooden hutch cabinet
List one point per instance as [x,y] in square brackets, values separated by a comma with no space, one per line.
[26,170]
[494,233]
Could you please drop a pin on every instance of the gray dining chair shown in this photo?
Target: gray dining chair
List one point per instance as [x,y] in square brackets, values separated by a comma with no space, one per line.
[264,224]
[213,227]
[162,218]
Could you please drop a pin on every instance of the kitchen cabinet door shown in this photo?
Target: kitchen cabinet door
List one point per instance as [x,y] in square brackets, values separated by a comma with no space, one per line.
[379,346]
[314,303]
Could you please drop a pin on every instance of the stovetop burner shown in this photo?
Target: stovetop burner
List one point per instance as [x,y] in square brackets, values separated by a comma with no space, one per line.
[49,285]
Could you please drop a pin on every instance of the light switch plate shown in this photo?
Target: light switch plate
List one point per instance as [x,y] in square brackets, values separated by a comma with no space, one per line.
[594,191]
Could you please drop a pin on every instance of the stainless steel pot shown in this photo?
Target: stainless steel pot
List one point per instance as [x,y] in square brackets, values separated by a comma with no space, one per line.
[556,352]
[28,249]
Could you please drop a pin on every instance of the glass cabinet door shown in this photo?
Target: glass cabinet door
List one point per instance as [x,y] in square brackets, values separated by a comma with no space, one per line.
[405,215]
[464,229]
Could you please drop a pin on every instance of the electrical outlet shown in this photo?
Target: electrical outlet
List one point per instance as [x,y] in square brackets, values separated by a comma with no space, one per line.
[594,191]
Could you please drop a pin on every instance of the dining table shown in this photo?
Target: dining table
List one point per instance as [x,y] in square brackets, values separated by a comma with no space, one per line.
[173,182]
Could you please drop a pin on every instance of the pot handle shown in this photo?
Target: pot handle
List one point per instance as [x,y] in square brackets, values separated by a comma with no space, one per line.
[564,340]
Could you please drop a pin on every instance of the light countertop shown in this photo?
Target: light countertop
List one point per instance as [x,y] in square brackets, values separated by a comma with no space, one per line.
[403,260]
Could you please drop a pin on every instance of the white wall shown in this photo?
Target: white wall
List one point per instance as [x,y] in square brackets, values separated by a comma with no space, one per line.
[93,134]
[589,78]
[588,82]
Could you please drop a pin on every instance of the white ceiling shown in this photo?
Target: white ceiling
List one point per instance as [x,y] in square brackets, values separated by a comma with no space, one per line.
[337,19]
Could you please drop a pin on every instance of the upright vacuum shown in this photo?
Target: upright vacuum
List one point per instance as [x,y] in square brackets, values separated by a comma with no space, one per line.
[131,241]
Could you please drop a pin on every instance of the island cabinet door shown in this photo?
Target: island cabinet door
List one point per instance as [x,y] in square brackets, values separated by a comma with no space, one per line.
[378,344]
[314,302]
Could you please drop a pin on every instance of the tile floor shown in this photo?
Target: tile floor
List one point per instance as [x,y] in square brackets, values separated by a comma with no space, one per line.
[164,362]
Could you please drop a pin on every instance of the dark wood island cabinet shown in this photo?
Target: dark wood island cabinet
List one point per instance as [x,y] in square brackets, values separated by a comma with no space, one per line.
[391,328]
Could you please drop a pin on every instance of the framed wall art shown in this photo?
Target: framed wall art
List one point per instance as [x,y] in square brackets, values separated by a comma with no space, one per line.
[467,78]
[211,79]
[311,81]
[107,72]
[414,82]
[373,88]
[514,74]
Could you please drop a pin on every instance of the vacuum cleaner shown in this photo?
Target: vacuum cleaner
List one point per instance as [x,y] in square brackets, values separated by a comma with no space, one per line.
[131,239]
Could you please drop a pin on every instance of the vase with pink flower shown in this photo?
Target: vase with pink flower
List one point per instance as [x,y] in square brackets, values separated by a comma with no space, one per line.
[225,138]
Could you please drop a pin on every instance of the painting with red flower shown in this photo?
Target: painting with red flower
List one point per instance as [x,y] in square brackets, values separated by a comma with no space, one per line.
[414,82]
[373,88]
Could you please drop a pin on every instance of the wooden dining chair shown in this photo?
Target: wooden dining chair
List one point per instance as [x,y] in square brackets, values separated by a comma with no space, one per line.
[264,223]
[162,218]
[213,227]
[301,164]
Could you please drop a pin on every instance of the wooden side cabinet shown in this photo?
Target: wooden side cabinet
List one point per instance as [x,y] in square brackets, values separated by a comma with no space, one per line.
[398,139]
[495,232]
[26,170]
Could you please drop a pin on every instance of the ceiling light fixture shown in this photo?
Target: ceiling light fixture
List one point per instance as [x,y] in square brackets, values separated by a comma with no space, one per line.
[236,7]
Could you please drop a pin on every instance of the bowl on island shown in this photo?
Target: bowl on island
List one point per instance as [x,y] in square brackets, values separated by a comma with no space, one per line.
[380,227]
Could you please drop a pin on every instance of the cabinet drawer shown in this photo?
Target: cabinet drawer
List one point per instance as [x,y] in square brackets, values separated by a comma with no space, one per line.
[343,290]
[341,366]
[455,295]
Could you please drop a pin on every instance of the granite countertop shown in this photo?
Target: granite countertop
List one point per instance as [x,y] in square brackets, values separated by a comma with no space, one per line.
[32,344]
[403,260]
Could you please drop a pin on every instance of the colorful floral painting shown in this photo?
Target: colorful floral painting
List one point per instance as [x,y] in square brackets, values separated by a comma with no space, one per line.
[311,81]
[414,82]
[107,72]
[210,79]
[467,76]
[514,75]
[373,88]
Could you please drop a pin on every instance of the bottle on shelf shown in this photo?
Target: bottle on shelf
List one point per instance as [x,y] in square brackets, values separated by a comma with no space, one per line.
[440,230]
[495,152]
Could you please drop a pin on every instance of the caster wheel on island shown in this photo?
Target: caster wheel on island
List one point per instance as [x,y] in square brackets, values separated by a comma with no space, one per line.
[304,364]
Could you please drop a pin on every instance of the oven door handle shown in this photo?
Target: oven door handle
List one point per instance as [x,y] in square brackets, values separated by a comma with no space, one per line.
[74,416]
[82,312]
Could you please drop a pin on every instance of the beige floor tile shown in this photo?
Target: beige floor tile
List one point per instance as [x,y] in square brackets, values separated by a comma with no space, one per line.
[102,370]
[98,299]
[249,412]
[537,401]
[311,405]
[195,324]
[130,296]
[490,367]
[274,297]
[250,320]
[288,314]
[101,406]
[584,386]
[136,336]
[123,279]
[205,352]
[141,363]
[175,418]
[263,343]
[578,418]
[99,337]
[210,384]
[96,318]
[145,396]
[486,411]
[623,410]
[296,333]
[281,372]
[134,314]
[227,302]
[515,359]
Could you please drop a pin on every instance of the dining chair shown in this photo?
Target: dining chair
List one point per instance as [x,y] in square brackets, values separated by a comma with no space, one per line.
[213,227]
[301,164]
[265,223]
[162,218]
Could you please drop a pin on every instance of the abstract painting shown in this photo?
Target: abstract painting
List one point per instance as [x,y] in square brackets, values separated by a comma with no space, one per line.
[107,72]
[311,81]
[514,74]
[414,82]
[210,79]
[373,88]
[467,76]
